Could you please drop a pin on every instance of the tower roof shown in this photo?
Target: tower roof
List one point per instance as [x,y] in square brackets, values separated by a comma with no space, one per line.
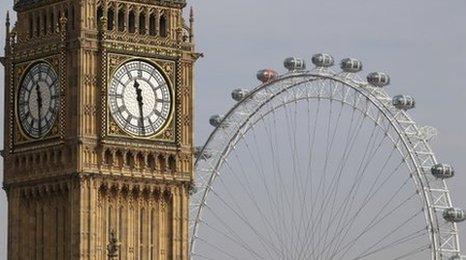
[19,4]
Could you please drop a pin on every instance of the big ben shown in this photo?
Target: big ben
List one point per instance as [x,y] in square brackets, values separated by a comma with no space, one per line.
[98,140]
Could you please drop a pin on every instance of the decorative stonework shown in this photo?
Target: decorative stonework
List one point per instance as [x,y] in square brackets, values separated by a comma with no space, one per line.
[114,61]
[20,138]
[66,190]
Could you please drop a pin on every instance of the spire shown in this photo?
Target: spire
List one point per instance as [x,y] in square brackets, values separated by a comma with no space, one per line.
[8,18]
[7,24]
[191,14]
[191,25]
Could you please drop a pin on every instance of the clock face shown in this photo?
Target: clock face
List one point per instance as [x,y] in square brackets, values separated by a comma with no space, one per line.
[139,98]
[38,100]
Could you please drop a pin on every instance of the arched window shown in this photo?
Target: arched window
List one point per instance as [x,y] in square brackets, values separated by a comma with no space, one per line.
[111,19]
[151,161]
[142,23]
[31,26]
[172,163]
[131,22]
[121,20]
[37,25]
[72,21]
[44,22]
[141,160]
[52,21]
[108,158]
[161,163]
[119,158]
[163,26]
[100,14]
[152,25]
[129,160]
[67,16]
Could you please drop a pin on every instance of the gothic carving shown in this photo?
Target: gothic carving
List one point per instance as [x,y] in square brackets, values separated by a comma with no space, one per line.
[66,191]
[168,67]
[19,70]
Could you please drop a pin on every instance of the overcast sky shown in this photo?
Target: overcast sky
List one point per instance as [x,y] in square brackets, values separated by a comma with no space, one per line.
[420,43]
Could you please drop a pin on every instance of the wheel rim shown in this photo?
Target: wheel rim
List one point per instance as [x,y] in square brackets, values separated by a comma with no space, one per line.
[434,195]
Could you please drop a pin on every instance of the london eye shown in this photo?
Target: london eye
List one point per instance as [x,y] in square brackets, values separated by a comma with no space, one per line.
[322,163]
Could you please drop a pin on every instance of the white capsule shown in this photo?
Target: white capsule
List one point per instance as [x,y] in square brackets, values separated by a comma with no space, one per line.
[218,121]
[294,64]
[378,79]
[404,102]
[351,65]
[239,94]
[454,215]
[323,60]
[442,171]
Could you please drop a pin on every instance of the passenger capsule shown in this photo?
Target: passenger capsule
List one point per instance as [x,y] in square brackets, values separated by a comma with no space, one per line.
[454,215]
[202,155]
[239,94]
[442,171]
[404,102]
[351,65]
[378,79]
[218,121]
[266,75]
[294,64]
[323,60]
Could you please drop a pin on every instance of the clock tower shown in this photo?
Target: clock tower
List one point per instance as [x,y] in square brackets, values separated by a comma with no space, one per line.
[98,140]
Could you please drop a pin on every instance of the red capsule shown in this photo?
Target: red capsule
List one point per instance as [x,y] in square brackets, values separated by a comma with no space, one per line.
[266,75]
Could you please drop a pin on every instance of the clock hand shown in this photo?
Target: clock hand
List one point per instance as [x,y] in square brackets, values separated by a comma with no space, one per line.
[39,107]
[140,104]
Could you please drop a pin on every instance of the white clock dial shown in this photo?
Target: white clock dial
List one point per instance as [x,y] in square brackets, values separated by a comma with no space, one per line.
[38,100]
[139,98]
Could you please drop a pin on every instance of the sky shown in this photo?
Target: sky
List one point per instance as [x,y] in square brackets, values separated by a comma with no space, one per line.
[420,43]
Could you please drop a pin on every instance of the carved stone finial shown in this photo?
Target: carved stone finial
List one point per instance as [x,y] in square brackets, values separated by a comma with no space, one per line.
[63,22]
[7,23]
[191,14]
[113,246]
[8,19]
[191,25]
[103,23]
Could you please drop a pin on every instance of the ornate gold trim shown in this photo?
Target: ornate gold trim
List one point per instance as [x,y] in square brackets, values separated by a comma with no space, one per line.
[168,70]
[21,69]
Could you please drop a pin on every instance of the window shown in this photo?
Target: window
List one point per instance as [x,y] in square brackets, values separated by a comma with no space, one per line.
[52,21]
[121,20]
[108,160]
[152,25]
[161,163]
[111,19]
[37,25]
[100,15]
[72,21]
[142,23]
[163,26]
[31,26]
[44,22]
[131,22]
[172,163]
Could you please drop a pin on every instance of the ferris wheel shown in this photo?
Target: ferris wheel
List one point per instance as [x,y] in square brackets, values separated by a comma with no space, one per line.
[320,164]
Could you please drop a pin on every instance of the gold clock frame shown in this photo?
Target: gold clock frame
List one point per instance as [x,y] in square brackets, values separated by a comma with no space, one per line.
[20,71]
[167,68]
